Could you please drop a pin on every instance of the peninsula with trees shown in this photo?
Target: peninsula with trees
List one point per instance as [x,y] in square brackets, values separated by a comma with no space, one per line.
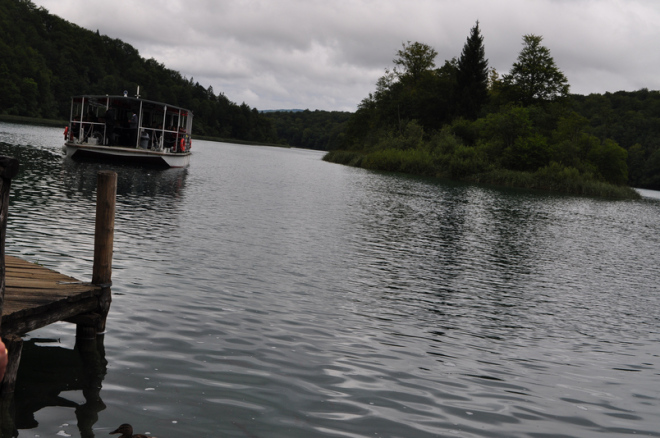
[464,121]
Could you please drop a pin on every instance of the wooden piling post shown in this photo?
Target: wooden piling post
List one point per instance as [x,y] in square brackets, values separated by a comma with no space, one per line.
[8,170]
[106,194]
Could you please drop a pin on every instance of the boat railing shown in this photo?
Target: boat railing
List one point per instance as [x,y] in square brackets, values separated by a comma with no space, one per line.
[159,139]
[87,132]
[95,120]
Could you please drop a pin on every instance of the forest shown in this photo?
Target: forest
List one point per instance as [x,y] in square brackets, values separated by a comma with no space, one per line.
[44,60]
[321,130]
[632,119]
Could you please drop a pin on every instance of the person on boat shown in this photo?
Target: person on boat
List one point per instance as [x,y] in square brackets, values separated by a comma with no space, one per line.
[144,140]
[110,125]
[132,124]
[75,127]
[170,138]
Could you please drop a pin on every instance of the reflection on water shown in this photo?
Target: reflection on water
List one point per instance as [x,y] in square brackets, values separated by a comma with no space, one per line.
[266,293]
[53,376]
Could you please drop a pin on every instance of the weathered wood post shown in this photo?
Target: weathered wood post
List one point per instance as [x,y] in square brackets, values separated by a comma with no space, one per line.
[106,194]
[8,170]
[90,327]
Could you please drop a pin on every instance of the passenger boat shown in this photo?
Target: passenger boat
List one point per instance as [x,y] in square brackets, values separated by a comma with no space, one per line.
[130,129]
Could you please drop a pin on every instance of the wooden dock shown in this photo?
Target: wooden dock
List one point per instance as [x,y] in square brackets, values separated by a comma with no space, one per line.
[32,296]
[36,297]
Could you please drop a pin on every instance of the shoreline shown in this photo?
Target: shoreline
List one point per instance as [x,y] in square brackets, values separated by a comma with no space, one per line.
[544,179]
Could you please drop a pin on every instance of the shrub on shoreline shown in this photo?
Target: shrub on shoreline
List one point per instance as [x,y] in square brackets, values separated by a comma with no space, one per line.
[465,164]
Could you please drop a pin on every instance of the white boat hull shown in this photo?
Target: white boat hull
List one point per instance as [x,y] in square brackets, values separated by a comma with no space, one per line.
[129,155]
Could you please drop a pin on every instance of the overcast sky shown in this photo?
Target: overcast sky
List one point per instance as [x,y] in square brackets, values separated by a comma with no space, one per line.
[327,55]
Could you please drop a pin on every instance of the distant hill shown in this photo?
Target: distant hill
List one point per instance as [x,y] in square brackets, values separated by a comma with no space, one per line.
[44,60]
[283,111]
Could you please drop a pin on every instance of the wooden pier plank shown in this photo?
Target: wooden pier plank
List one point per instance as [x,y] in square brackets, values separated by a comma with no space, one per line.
[36,296]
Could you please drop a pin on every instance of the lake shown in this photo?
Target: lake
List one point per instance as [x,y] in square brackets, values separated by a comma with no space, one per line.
[263,292]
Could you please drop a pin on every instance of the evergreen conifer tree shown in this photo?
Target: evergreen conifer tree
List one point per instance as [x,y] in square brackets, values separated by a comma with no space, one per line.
[472,75]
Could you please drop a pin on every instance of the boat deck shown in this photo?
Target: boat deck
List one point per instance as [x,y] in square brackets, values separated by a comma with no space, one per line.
[36,296]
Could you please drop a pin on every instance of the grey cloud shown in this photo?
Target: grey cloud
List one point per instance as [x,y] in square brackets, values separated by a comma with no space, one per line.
[329,54]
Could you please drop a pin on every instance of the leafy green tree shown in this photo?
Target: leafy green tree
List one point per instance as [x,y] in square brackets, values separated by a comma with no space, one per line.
[610,160]
[652,171]
[636,162]
[506,126]
[527,153]
[472,75]
[413,90]
[415,59]
[534,77]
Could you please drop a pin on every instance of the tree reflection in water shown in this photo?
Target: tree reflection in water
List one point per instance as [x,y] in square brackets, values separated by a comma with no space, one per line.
[46,371]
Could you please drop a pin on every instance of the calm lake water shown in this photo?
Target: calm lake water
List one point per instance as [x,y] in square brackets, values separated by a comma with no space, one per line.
[265,293]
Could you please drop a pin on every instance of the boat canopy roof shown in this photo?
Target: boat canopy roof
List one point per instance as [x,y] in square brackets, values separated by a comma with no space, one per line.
[119,101]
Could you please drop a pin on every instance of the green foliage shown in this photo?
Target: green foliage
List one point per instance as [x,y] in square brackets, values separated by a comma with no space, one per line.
[467,131]
[465,161]
[44,60]
[610,161]
[415,60]
[636,164]
[652,170]
[349,158]
[321,130]
[632,119]
[527,136]
[413,91]
[413,161]
[527,153]
[445,142]
[506,126]
[557,178]
[535,77]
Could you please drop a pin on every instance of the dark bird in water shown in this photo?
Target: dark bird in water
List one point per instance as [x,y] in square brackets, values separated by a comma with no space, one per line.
[126,431]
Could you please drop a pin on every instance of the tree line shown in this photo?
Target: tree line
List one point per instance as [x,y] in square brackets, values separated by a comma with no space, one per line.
[632,119]
[44,60]
[463,120]
[321,130]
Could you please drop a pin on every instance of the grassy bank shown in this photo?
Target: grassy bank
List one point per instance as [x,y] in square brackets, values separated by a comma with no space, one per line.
[467,166]
[33,121]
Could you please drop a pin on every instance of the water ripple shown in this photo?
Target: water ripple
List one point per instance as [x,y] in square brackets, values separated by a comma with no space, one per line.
[265,293]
